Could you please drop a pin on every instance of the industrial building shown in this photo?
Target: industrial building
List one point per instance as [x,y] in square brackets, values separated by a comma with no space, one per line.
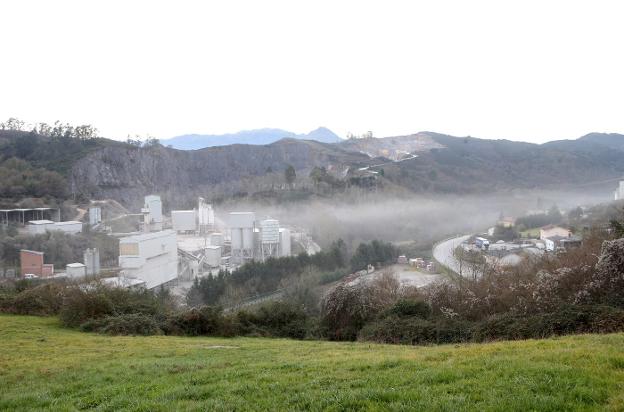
[31,262]
[75,270]
[37,227]
[152,213]
[150,257]
[22,215]
[184,220]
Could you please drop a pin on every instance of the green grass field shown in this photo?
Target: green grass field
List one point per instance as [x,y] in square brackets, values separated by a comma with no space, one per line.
[45,367]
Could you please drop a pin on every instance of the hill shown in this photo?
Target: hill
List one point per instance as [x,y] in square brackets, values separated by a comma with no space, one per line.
[425,162]
[67,370]
[255,137]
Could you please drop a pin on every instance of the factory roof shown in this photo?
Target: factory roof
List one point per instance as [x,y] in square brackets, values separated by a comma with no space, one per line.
[147,236]
[75,265]
[31,251]
[40,222]
[26,210]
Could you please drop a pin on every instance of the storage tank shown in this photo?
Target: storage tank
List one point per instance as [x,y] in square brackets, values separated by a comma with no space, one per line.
[269,231]
[212,255]
[237,238]
[285,245]
[248,236]
[76,270]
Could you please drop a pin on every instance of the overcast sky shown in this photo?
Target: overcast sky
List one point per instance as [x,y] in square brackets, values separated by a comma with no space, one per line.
[524,70]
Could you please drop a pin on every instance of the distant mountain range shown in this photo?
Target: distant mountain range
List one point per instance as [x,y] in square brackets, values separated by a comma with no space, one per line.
[256,137]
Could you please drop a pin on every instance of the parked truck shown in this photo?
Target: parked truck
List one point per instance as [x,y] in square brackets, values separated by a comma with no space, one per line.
[482,243]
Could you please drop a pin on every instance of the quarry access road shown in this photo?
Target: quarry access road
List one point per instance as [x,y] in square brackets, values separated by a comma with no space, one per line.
[443,252]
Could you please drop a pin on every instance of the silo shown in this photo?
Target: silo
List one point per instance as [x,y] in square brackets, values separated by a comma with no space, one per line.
[269,238]
[269,229]
[242,230]
[248,238]
[237,238]
[205,214]
[285,245]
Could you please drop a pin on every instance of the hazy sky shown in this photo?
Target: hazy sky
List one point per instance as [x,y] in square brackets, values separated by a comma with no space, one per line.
[523,70]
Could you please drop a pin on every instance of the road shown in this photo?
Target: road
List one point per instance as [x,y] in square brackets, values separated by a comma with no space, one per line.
[443,252]
[406,275]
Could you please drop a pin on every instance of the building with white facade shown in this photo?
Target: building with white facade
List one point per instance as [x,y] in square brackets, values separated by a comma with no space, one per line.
[184,220]
[76,270]
[150,257]
[70,226]
[38,227]
[152,213]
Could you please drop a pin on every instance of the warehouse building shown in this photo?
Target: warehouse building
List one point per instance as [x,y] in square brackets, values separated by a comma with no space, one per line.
[150,257]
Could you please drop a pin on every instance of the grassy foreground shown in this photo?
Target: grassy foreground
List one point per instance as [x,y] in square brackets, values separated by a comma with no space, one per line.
[43,366]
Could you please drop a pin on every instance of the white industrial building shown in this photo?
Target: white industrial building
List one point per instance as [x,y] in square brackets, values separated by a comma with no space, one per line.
[76,270]
[70,226]
[242,235]
[184,220]
[150,257]
[37,227]
[619,192]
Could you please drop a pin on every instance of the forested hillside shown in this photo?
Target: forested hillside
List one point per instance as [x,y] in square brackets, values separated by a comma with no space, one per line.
[63,160]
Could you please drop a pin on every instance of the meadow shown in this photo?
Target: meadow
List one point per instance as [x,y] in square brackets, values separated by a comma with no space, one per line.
[46,367]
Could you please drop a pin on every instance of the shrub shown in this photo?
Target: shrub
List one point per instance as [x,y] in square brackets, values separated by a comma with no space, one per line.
[406,307]
[415,330]
[82,304]
[41,300]
[279,319]
[126,324]
[566,319]
[206,320]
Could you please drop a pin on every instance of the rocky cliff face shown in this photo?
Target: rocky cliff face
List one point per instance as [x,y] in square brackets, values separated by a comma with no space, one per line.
[127,173]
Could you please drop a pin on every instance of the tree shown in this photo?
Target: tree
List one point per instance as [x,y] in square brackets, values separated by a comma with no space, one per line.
[554,214]
[290,175]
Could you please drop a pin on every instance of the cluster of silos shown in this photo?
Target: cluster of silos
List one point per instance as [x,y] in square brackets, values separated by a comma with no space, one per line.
[251,239]
[205,216]
[242,235]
